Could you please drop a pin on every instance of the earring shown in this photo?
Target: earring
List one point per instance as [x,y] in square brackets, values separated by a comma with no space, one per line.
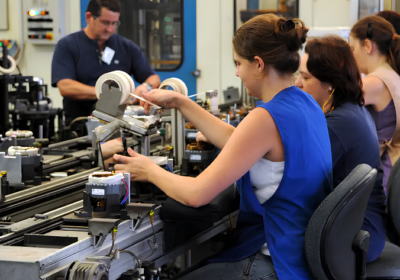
[330,89]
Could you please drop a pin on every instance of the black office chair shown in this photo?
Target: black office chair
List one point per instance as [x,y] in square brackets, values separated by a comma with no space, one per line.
[393,172]
[387,266]
[335,247]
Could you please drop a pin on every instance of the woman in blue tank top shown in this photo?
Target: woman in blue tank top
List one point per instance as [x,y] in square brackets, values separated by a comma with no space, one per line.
[329,72]
[289,127]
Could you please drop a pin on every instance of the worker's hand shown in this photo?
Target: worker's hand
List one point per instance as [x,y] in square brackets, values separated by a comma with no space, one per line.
[139,91]
[137,165]
[165,98]
[201,138]
[112,147]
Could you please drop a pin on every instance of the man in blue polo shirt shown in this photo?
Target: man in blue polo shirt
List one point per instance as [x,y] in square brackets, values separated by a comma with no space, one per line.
[82,57]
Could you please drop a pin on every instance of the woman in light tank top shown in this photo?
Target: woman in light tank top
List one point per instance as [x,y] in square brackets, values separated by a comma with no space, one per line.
[376,48]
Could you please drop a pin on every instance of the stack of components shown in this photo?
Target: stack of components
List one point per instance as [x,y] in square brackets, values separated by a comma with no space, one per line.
[198,155]
[16,138]
[106,195]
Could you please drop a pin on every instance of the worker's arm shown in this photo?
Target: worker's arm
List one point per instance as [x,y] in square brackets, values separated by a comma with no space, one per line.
[255,136]
[76,90]
[154,80]
[112,147]
[216,131]
[373,88]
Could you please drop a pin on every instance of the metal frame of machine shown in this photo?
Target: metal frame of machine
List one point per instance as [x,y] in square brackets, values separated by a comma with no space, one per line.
[62,244]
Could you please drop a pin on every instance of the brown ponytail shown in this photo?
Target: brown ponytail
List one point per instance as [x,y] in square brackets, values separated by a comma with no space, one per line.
[394,53]
[274,39]
[393,18]
[382,33]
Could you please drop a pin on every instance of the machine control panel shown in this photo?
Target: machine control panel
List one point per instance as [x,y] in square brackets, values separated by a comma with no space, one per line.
[44,21]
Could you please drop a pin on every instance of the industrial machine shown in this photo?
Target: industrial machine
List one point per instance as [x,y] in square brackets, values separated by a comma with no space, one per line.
[61,244]
[89,224]
[24,103]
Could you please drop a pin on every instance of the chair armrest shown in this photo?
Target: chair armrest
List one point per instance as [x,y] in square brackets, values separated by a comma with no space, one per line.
[361,246]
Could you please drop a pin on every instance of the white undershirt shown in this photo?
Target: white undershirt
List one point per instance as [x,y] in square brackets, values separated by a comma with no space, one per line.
[265,177]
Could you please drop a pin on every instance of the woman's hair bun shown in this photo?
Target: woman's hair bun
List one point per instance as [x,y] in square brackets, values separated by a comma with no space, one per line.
[274,39]
[293,32]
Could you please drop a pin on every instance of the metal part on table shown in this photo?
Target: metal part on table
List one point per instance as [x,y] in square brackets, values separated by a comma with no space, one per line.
[29,223]
[69,142]
[108,109]
[19,167]
[15,141]
[135,110]
[91,125]
[139,211]
[127,123]
[34,192]
[87,271]
[99,229]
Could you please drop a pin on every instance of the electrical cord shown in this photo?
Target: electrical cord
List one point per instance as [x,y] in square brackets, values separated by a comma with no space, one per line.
[137,261]
[112,247]
[126,195]
[113,237]
[154,245]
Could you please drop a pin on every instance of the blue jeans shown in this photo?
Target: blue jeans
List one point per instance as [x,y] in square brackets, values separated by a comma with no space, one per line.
[255,267]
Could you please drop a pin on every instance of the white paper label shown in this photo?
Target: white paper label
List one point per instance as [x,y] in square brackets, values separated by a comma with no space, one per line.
[98,191]
[108,55]
[195,157]
[191,135]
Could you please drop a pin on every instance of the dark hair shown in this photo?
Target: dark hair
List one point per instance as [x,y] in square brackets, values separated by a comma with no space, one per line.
[272,38]
[95,6]
[392,17]
[382,33]
[331,61]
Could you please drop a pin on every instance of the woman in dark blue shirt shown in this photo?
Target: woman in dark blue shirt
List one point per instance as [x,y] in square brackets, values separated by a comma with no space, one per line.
[329,72]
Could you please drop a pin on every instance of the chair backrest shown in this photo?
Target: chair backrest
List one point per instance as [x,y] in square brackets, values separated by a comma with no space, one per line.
[335,224]
[393,172]
[393,197]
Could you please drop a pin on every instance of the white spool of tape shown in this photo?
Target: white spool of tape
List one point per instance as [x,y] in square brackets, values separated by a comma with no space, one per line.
[12,68]
[176,84]
[24,151]
[106,178]
[122,81]
[129,78]
[19,133]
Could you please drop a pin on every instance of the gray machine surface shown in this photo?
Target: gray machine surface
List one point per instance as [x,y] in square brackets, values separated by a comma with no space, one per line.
[34,263]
